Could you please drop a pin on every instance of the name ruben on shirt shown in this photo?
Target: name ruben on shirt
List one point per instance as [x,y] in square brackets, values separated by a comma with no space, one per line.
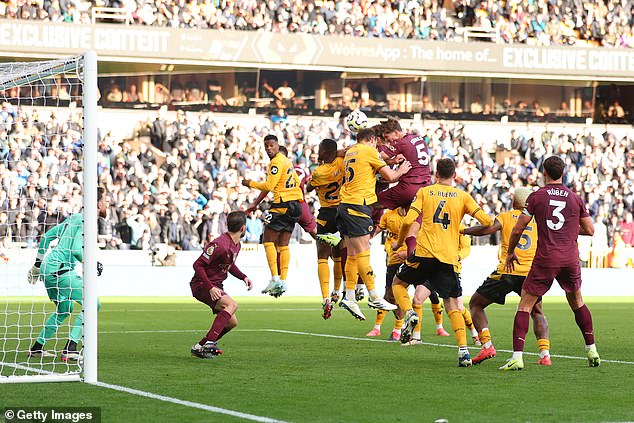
[558,192]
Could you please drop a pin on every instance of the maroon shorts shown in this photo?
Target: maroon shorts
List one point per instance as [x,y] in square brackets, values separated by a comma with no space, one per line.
[540,279]
[400,195]
[202,294]
[307,220]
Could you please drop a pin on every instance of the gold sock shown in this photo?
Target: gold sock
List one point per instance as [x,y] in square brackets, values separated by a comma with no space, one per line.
[323,272]
[380,316]
[351,272]
[337,271]
[543,344]
[398,324]
[365,270]
[419,311]
[271,257]
[466,315]
[285,259]
[457,324]
[437,310]
[485,336]
[402,297]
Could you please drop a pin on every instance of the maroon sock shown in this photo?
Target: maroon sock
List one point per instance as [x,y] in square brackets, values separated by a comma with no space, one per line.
[410,241]
[344,258]
[219,324]
[223,333]
[584,321]
[520,329]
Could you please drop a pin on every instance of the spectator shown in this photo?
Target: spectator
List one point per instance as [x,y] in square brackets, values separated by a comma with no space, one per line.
[284,95]
[214,93]
[255,227]
[627,230]
[114,94]
[616,111]
[476,106]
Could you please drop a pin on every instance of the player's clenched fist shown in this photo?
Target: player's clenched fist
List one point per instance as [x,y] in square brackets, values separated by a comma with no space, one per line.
[33,275]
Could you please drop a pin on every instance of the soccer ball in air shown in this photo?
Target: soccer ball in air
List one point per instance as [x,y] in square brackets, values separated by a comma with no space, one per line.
[356,121]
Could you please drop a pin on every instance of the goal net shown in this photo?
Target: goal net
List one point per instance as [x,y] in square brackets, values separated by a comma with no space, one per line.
[48,200]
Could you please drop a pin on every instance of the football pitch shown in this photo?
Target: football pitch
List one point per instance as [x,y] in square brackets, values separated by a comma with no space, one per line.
[285,363]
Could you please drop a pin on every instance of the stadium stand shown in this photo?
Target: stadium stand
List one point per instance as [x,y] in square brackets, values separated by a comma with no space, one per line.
[605,23]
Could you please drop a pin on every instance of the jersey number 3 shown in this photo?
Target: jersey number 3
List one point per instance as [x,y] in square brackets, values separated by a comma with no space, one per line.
[559,206]
[444,221]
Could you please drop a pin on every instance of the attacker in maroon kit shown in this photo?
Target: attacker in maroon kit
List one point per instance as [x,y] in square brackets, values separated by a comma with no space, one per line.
[561,216]
[211,269]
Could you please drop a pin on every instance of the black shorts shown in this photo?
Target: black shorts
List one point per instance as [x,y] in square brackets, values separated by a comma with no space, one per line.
[354,220]
[327,220]
[390,272]
[433,274]
[496,287]
[284,216]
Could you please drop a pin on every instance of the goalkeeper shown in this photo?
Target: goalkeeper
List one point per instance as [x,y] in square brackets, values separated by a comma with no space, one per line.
[63,284]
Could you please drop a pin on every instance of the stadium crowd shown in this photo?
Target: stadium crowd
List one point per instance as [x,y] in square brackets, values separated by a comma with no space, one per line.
[564,22]
[176,188]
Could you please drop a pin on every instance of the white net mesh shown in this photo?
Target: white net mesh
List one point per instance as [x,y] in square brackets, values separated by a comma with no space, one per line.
[41,154]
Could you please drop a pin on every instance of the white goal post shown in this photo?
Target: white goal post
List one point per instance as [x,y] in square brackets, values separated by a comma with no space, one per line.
[48,173]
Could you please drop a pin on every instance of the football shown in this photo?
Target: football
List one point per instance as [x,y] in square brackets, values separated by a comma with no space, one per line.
[356,121]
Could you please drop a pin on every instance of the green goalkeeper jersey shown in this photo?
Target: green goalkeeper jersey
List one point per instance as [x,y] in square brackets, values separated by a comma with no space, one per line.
[68,250]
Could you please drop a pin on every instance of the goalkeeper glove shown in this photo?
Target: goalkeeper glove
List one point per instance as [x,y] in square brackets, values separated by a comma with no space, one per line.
[33,275]
[99,268]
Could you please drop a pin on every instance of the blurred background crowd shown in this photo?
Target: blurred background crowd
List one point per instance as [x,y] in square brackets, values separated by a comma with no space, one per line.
[179,175]
[561,22]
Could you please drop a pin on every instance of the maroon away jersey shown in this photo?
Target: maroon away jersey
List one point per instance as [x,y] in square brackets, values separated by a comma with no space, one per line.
[557,211]
[415,150]
[303,174]
[217,259]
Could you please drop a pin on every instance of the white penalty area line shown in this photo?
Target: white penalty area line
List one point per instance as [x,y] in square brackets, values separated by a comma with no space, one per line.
[431,344]
[350,338]
[190,404]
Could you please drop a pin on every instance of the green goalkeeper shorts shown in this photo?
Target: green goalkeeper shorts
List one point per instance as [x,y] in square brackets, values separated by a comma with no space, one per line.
[63,286]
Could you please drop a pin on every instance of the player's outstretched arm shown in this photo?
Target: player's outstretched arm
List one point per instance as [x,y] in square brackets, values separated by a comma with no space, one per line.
[586,227]
[257,202]
[390,175]
[481,230]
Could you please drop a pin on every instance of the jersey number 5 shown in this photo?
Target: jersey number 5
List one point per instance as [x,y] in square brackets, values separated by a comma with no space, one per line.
[559,206]
[423,156]
[349,170]
[444,221]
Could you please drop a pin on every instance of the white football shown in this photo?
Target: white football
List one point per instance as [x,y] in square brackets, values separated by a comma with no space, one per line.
[356,121]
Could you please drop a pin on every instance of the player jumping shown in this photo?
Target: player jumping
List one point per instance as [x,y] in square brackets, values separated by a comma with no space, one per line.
[211,268]
[286,209]
[560,216]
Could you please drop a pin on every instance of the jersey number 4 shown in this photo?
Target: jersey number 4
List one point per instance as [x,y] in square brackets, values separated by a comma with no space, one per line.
[444,221]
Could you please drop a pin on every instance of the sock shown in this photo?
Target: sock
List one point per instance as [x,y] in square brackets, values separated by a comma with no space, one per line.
[457,324]
[55,319]
[271,257]
[410,241]
[402,297]
[70,346]
[285,258]
[584,321]
[37,346]
[365,270]
[466,315]
[223,333]
[437,310]
[351,276]
[485,338]
[589,347]
[218,325]
[323,272]
[544,347]
[415,335]
[380,316]
[418,308]
[398,324]
[520,329]
[517,355]
[338,272]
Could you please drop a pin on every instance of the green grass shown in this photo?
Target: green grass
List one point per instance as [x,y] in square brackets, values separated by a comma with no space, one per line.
[304,378]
